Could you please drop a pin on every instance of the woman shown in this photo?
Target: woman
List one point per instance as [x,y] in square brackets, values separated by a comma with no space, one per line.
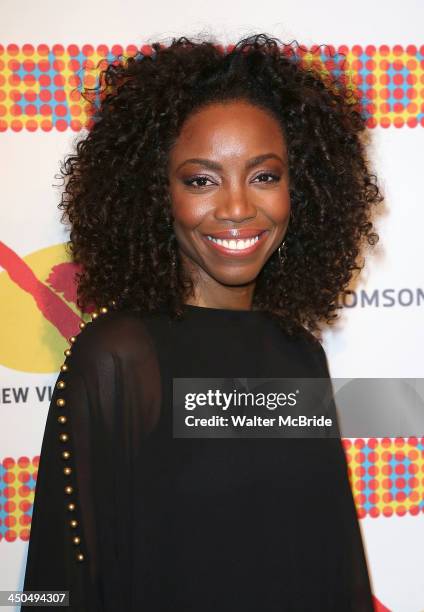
[217,207]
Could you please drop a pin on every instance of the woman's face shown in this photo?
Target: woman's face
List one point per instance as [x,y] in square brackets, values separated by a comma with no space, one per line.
[228,174]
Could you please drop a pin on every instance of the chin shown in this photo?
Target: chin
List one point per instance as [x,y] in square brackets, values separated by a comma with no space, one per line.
[234,278]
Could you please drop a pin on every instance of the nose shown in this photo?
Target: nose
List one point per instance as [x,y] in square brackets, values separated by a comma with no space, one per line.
[235,205]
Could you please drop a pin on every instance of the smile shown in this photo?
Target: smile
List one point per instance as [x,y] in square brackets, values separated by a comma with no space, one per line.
[236,246]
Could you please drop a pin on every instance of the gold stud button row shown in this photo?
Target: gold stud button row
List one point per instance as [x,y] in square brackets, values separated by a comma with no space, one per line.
[66,455]
[63,437]
[61,384]
[76,540]
[67,471]
[64,367]
[67,352]
[62,419]
[69,490]
[60,402]
[71,507]
[80,557]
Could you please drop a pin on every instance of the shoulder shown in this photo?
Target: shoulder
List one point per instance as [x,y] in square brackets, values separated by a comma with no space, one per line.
[307,347]
[111,336]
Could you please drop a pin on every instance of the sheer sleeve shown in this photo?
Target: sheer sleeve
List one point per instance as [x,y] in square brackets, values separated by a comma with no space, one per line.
[105,401]
[355,581]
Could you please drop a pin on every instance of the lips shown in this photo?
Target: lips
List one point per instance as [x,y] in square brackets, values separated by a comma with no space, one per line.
[242,233]
[236,243]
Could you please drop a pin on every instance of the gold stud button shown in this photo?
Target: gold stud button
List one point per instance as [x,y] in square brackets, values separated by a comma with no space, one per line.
[69,490]
[61,384]
[62,419]
[72,339]
[64,368]
[76,540]
[63,437]
[94,315]
[113,303]
[66,455]
[60,402]
[80,557]
[103,310]
[71,507]
[67,352]
[82,325]
[67,471]
[73,523]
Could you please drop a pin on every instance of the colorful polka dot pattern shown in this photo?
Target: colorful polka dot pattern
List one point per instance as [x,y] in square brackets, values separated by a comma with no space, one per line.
[386,477]
[17,486]
[40,87]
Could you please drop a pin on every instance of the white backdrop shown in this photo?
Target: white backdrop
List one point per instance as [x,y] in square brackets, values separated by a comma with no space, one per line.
[372,340]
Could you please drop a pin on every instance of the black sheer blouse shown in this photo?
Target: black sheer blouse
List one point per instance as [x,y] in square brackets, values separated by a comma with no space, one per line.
[129,518]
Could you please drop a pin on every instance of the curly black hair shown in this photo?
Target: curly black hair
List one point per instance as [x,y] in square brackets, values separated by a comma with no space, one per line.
[116,196]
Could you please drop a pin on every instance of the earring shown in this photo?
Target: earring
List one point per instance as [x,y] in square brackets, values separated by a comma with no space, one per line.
[282,253]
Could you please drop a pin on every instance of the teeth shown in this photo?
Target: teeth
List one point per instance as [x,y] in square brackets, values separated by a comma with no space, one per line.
[235,244]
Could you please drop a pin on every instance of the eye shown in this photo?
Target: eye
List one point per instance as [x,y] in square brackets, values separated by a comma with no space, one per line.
[267,177]
[198,182]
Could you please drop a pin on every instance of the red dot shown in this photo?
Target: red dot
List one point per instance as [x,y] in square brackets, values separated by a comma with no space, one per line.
[43,50]
[397,50]
[24,505]
[10,535]
[401,510]
[371,122]
[44,66]
[59,80]
[384,50]
[73,50]
[131,50]
[60,110]
[74,65]
[374,512]
[118,50]
[30,110]
[370,50]
[58,50]
[25,534]
[400,469]
[87,50]
[61,125]
[414,510]
[411,50]
[45,110]
[102,50]
[59,65]
[46,125]
[12,49]
[361,513]
[387,511]
[385,122]
[9,477]
[76,125]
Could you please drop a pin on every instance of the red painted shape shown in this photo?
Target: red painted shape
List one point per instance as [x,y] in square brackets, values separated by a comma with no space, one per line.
[52,307]
[379,607]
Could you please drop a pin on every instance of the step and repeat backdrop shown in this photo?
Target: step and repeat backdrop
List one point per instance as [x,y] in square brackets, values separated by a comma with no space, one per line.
[48,53]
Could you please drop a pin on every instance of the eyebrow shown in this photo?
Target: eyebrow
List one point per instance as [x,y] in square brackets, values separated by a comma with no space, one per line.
[208,163]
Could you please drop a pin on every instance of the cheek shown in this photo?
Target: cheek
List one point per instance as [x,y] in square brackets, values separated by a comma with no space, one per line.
[278,205]
[187,209]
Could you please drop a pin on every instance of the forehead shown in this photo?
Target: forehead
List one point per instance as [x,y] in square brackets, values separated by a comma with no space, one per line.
[230,127]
